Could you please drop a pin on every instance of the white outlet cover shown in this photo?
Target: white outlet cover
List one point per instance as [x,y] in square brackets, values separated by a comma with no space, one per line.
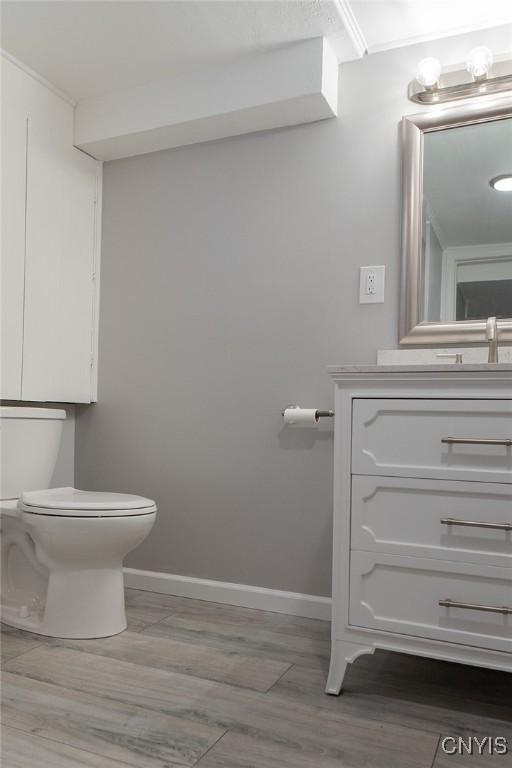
[377,297]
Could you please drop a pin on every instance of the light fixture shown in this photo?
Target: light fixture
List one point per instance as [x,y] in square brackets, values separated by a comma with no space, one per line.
[502,183]
[432,86]
[479,62]
[428,72]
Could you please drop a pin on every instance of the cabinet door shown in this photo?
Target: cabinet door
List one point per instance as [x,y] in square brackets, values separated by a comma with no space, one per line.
[59,279]
[14,148]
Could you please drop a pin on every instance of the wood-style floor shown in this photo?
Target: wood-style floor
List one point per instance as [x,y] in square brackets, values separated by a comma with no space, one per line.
[192,683]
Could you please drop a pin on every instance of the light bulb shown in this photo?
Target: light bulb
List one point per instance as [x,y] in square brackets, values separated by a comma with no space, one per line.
[428,72]
[502,183]
[479,62]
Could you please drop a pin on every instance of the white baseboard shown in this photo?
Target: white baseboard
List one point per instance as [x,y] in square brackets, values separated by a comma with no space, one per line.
[293,603]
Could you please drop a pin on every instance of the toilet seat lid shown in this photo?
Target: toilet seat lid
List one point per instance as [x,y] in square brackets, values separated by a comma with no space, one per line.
[72,502]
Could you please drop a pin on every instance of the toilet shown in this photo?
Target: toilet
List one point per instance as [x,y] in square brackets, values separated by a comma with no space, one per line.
[62,549]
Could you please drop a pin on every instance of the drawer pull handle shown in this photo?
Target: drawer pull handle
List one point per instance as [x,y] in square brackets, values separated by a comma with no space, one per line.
[475,524]
[504,610]
[506,441]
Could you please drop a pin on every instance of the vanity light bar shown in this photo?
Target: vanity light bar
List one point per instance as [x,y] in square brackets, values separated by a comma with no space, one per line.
[431,86]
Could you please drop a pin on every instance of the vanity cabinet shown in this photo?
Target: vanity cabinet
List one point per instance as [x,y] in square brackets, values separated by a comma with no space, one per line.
[50,247]
[423,514]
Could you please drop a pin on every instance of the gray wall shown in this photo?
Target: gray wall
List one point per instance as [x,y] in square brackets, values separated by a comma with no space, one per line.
[229,283]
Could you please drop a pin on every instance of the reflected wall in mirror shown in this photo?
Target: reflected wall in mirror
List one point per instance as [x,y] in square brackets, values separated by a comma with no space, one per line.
[467,223]
[457,222]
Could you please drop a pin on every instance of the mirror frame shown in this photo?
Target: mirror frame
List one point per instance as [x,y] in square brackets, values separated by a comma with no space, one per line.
[413,331]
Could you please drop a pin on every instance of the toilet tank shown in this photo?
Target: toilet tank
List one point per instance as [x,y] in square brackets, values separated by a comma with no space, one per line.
[29,444]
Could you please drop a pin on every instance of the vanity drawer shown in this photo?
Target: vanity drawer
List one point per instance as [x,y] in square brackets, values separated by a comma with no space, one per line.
[451,439]
[444,519]
[405,595]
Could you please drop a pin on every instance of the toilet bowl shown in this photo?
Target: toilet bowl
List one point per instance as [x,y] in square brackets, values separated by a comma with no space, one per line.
[62,549]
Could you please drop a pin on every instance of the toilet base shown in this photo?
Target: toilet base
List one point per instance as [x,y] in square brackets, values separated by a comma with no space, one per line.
[10,616]
[80,605]
[62,575]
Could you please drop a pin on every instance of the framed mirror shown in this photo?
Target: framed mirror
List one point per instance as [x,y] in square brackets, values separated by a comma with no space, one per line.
[457,222]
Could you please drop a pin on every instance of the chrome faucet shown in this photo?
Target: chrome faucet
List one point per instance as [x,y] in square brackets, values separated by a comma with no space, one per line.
[491,335]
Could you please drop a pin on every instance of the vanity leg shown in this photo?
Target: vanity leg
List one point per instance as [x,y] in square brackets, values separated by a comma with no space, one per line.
[342,654]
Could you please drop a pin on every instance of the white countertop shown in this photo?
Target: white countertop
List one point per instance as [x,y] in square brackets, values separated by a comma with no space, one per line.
[432,368]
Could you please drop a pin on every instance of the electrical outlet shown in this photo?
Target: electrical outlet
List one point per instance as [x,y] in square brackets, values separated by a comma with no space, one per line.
[371,285]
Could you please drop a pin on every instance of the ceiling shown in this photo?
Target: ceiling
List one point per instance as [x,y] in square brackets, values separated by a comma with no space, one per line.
[458,166]
[393,23]
[94,47]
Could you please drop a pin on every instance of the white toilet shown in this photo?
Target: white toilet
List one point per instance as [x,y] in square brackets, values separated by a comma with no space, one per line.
[62,549]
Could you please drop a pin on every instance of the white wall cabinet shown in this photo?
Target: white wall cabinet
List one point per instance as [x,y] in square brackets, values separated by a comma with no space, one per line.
[14,158]
[50,247]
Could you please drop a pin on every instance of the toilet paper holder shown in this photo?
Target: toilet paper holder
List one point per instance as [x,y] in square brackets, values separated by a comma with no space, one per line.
[319,414]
